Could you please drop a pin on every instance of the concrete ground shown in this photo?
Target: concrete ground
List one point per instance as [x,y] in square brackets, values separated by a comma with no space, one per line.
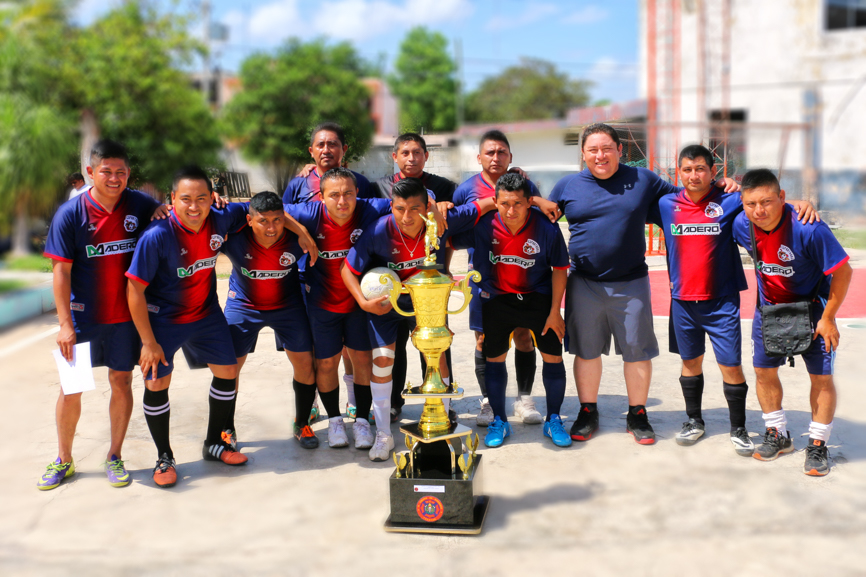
[605,507]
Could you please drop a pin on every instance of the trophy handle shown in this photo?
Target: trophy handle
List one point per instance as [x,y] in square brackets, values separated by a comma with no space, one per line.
[396,290]
[463,287]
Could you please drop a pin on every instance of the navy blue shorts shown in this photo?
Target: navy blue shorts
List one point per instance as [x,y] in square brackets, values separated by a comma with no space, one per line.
[333,330]
[204,342]
[291,328]
[383,329]
[818,361]
[115,345]
[476,319]
[692,321]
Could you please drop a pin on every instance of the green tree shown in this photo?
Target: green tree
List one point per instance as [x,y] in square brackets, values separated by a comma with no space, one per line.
[287,93]
[424,82]
[532,90]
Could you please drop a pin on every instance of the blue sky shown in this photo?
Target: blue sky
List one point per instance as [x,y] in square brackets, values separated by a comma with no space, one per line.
[593,40]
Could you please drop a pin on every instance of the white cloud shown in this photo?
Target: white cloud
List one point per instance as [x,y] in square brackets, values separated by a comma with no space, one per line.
[86,11]
[532,13]
[587,15]
[271,23]
[610,67]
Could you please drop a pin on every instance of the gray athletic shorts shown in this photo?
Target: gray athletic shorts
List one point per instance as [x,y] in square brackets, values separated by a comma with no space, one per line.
[595,310]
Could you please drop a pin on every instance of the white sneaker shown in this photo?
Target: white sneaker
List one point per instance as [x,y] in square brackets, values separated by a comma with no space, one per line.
[524,408]
[485,417]
[337,433]
[383,447]
[363,434]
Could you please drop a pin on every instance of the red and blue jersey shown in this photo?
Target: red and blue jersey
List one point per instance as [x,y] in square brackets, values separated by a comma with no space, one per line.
[263,278]
[177,265]
[703,260]
[306,189]
[793,258]
[515,263]
[476,188]
[384,244]
[326,288]
[99,244]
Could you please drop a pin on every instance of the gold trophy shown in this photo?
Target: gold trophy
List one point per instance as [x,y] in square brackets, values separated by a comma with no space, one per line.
[462,511]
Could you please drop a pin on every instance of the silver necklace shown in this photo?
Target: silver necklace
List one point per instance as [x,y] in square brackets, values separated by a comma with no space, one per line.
[412,251]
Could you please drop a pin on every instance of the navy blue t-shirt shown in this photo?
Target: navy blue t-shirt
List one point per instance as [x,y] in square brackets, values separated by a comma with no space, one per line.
[606,221]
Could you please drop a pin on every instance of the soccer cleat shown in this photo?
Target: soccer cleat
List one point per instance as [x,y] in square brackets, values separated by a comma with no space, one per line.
[337,433]
[817,458]
[638,425]
[232,438]
[395,414]
[55,474]
[524,408]
[371,418]
[691,432]
[497,432]
[314,414]
[556,432]
[585,425]
[383,446]
[305,436]
[774,445]
[485,417]
[116,472]
[351,411]
[222,451]
[742,443]
[363,434]
[164,474]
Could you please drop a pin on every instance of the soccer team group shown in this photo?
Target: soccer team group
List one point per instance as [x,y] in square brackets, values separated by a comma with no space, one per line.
[136,279]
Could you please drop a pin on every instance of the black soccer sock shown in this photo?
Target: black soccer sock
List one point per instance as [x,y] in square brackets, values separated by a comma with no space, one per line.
[480,369]
[331,402]
[736,397]
[524,372]
[230,423]
[497,378]
[157,412]
[363,401]
[693,392]
[553,377]
[222,393]
[305,396]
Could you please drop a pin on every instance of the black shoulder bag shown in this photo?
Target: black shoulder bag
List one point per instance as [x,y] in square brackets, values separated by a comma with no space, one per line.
[787,327]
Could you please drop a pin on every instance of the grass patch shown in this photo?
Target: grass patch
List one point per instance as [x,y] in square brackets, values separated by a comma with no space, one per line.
[11,285]
[31,262]
[851,238]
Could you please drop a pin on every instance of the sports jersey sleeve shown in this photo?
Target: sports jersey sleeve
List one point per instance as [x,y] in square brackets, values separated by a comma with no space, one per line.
[145,259]
[533,188]
[463,240]
[462,218]
[60,244]
[306,213]
[381,206]
[826,250]
[236,215]
[365,189]
[741,231]
[361,253]
[461,194]
[661,187]
[290,196]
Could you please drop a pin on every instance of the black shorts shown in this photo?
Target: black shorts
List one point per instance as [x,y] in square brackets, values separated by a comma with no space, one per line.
[504,313]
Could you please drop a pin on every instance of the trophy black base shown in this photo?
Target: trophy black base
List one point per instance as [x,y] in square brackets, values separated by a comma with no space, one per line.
[437,499]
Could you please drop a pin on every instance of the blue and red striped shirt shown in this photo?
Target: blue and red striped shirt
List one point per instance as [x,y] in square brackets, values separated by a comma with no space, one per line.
[263,278]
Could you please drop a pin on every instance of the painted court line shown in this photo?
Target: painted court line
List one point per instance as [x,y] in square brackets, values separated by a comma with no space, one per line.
[28,341]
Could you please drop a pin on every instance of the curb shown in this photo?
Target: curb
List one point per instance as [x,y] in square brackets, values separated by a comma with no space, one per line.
[24,304]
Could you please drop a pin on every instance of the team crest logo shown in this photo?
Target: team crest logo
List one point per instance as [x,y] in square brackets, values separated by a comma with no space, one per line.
[232,294]
[785,254]
[494,241]
[395,251]
[130,223]
[713,210]
[355,235]
[429,508]
[76,307]
[91,228]
[216,241]
[287,259]
[531,247]
[183,251]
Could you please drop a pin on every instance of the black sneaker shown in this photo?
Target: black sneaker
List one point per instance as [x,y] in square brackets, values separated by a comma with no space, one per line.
[817,458]
[305,436]
[585,425]
[774,445]
[638,425]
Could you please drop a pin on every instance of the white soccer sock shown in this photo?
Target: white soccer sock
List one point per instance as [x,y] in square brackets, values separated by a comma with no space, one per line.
[777,419]
[382,405]
[820,431]
[446,402]
[350,388]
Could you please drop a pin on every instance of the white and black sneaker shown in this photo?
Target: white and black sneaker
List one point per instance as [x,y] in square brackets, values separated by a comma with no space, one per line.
[692,431]
[742,442]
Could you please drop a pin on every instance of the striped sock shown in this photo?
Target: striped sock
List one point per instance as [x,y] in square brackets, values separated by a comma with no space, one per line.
[157,412]
[220,401]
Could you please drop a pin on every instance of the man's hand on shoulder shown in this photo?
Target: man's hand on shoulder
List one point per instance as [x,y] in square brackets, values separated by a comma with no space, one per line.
[806,211]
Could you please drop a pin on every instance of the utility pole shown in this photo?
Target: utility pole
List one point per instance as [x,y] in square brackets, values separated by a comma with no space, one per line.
[205,73]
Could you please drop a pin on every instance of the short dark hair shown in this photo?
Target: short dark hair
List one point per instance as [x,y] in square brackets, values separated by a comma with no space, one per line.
[496,136]
[338,173]
[410,137]
[512,182]
[760,177]
[106,148]
[695,151]
[73,178]
[602,128]
[330,127]
[266,201]
[191,172]
[409,188]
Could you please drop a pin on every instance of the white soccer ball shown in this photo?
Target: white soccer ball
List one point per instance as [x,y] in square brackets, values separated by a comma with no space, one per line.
[372,287]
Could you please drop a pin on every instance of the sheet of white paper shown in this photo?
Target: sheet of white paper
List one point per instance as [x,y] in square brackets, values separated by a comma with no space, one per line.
[77,376]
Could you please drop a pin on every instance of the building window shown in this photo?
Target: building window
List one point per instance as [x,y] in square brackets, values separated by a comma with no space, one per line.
[843,14]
